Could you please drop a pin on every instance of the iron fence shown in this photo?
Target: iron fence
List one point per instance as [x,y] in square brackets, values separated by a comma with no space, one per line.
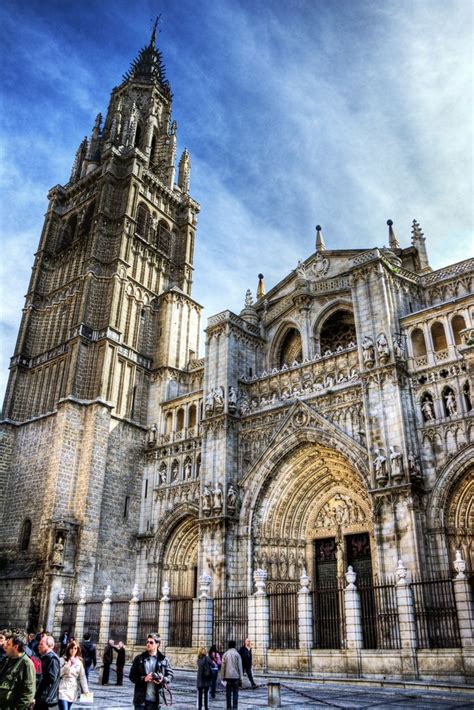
[92,619]
[435,613]
[283,613]
[379,614]
[181,622]
[328,616]
[119,619]
[230,620]
[68,622]
[147,619]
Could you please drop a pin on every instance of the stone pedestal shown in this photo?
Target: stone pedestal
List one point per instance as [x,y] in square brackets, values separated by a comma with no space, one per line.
[259,618]
[133,611]
[105,617]
[406,617]
[164,616]
[354,639]
[464,607]
[80,615]
[203,614]
[58,614]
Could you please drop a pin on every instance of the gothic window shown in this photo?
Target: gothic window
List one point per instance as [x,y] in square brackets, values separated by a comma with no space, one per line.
[169,423]
[338,331]
[25,535]
[163,238]
[143,219]
[457,324]
[198,465]
[86,221]
[418,343]
[68,232]
[438,336]
[138,136]
[192,416]
[290,350]
[180,420]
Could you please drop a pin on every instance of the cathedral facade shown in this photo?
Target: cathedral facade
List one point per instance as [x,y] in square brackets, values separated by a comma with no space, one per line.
[328,426]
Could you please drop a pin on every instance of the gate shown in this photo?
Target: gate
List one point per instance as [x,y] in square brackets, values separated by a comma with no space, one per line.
[284,627]
[147,619]
[435,613]
[119,619]
[230,620]
[68,622]
[328,616]
[92,619]
[379,615]
[181,622]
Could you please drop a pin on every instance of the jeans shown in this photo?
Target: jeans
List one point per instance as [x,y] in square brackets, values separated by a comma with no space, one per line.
[232,693]
[64,704]
[87,668]
[148,705]
[214,683]
[203,696]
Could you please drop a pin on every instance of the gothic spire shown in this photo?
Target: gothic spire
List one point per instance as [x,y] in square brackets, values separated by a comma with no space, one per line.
[392,238]
[418,241]
[320,245]
[148,67]
[261,287]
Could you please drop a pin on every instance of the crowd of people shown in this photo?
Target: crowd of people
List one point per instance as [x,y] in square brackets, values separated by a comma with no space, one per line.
[37,673]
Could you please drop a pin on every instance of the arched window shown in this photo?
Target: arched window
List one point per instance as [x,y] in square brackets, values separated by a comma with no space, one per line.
[438,337]
[143,218]
[198,465]
[25,535]
[163,237]
[338,332]
[169,423]
[290,350]
[418,343]
[68,232]
[192,416]
[138,136]
[180,420]
[457,324]
[86,221]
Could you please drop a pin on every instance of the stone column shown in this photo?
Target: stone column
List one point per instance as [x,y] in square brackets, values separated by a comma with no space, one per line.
[105,616]
[462,593]
[407,621]
[164,615]
[58,614]
[354,638]
[132,625]
[80,615]
[259,619]
[305,614]
[203,614]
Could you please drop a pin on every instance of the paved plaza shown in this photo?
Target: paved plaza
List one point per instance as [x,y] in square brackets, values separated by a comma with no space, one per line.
[299,694]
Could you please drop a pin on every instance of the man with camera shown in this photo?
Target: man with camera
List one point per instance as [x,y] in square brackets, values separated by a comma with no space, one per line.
[150,671]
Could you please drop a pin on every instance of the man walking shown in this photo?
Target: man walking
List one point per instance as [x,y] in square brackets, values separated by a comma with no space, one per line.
[17,675]
[232,673]
[148,668]
[89,653]
[47,692]
[246,656]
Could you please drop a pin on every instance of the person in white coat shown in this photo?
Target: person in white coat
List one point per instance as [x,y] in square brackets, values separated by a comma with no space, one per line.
[72,676]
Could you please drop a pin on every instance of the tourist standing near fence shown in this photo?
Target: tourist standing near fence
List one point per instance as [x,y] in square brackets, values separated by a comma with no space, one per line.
[232,673]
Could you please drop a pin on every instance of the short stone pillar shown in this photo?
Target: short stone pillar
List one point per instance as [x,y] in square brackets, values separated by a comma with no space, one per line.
[406,608]
[259,619]
[305,614]
[105,616]
[164,616]
[58,614]
[133,611]
[80,615]
[203,614]
[354,638]
[274,694]
[462,594]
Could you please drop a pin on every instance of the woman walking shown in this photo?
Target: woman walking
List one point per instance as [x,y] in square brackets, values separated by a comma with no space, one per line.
[72,678]
[215,657]
[204,678]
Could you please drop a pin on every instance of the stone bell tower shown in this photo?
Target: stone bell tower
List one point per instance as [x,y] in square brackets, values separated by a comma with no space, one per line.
[109,304]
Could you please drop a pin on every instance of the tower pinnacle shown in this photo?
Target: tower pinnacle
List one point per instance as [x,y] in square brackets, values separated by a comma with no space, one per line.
[392,239]
[320,245]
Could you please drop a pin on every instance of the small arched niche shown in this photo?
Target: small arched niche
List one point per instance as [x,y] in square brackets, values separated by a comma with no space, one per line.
[290,349]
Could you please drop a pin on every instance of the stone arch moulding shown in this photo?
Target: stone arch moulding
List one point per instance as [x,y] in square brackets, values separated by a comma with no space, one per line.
[278,340]
[341,304]
[303,425]
[175,549]
[459,467]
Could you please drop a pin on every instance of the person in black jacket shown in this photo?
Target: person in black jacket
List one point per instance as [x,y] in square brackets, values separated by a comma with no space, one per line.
[120,648]
[246,655]
[107,660]
[146,668]
[47,692]
[89,653]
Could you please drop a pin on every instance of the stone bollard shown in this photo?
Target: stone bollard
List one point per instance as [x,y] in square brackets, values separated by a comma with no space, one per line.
[274,694]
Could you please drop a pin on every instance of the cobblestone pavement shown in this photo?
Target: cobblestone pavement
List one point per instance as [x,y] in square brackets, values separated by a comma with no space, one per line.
[296,694]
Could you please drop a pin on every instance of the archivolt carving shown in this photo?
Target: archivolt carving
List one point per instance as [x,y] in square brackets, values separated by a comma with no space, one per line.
[178,556]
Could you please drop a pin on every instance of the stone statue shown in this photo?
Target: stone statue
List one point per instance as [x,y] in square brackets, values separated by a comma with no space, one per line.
[58,550]
[232,398]
[413,466]
[382,348]
[206,499]
[283,566]
[188,469]
[395,463]
[292,565]
[450,404]
[231,498]
[209,406]
[427,409]
[380,465]
[301,270]
[398,348]
[218,395]
[248,298]
[244,405]
[274,565]
[217,499]
[367,350]
[163,475]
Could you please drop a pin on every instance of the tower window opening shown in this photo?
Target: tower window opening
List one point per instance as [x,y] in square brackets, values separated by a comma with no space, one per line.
[126,507]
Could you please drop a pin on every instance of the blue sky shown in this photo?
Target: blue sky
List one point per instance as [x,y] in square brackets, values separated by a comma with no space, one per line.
[338,112]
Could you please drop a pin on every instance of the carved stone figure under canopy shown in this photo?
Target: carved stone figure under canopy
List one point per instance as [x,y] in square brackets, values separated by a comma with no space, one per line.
[382,347]
[217,500]
[58,551]
[395,463]
[427,409]
[232,397]
[450,404]
[206,499]
[368,350]
[231,498]
[380,465]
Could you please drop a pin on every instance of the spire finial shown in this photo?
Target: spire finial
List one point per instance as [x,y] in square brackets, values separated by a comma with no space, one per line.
[320,245]
[392,239]
[153,34]
[260,287]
